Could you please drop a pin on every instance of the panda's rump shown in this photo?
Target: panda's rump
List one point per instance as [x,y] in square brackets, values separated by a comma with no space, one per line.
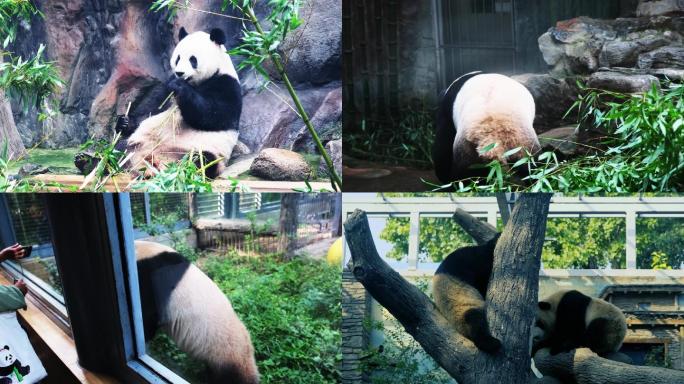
[605,327]
[495,108]
[205,325]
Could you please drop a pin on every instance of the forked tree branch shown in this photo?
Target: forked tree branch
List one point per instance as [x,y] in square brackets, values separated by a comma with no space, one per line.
[421,319]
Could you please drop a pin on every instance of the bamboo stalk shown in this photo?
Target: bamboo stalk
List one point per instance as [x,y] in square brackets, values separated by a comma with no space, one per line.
[336,182]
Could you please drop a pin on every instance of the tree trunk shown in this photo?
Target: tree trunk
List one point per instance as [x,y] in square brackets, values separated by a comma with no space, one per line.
[289,209]
[511,296]
[8,129]
[514,289]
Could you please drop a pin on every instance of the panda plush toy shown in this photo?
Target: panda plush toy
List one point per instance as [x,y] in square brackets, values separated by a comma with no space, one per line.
[202,117]
[478,110]
[185,303]
[459,288]
[567,320]
[11,368]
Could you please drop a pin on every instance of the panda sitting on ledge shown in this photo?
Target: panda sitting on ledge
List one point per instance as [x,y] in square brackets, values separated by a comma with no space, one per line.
[203,116]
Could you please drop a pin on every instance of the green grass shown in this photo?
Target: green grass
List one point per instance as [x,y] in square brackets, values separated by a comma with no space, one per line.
[59,160]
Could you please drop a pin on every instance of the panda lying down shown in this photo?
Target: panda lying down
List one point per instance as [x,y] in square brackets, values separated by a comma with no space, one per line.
[202,117]
[181,300]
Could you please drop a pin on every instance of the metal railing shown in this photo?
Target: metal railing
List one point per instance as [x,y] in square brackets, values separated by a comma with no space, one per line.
[629,208]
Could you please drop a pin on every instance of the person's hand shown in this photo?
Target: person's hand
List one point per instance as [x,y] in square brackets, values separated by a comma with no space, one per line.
[14,252]
[21,285]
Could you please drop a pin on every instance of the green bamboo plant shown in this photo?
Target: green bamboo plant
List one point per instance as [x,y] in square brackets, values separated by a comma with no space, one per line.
[260,45]
[30,81]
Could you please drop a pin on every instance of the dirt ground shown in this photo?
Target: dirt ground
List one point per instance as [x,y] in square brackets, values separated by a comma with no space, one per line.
[366,176]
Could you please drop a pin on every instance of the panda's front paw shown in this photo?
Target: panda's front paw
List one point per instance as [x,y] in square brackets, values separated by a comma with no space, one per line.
[123,124]
[176,84]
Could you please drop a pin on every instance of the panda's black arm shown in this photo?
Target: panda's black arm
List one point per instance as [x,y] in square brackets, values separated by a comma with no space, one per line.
[147,103]
[214,105]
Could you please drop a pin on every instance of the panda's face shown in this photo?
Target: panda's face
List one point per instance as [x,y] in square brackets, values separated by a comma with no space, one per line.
[544,322]
[6,357]
[200,55]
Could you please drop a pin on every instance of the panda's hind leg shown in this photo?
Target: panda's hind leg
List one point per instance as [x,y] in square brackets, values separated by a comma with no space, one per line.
[211,171]
[464,307]
[604,336]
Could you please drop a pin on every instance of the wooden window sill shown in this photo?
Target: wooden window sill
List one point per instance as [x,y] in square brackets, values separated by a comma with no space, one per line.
[58,342]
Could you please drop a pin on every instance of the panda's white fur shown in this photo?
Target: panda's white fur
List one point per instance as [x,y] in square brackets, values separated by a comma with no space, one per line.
[201,320]
[478,110]
[166,137]
[494,108]
[568,319]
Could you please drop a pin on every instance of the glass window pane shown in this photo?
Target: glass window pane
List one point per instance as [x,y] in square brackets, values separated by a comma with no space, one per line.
[31,228]
[660,242]
[584,243]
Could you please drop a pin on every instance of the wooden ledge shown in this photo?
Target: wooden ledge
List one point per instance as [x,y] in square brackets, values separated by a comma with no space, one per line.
[61,345]
[123,182]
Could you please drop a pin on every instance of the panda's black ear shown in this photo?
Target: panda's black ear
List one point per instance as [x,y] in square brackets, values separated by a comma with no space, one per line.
[217,36]
[182,33]
[543,305]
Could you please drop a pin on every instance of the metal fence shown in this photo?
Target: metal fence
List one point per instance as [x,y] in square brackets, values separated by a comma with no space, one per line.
[318,218]
[501,35]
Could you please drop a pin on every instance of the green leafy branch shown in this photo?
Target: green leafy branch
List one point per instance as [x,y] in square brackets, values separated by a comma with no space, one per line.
[29,81]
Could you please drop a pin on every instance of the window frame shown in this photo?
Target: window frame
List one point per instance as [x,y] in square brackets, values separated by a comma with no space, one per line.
[101,227]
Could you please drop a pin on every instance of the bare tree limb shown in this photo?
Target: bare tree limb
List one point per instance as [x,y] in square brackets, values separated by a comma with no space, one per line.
[479,230]
[582,366]
[504,207]
[415,311]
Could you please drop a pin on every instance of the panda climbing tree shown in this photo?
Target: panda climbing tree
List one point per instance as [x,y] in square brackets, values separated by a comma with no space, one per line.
[488,339]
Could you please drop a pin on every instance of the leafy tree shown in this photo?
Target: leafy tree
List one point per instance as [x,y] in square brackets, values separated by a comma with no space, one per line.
[584,243]
[439,236]
[660,242]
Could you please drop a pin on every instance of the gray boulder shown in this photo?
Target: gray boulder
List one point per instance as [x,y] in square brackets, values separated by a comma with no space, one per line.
[665,57]
[553,97]
[280,165]
[334,149]
[620,82]
[313,50]
[659,7]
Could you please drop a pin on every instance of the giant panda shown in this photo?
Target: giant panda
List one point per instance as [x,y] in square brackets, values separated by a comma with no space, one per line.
[203,116]
[567,320]
[475,111]
[459,287]
[181,300]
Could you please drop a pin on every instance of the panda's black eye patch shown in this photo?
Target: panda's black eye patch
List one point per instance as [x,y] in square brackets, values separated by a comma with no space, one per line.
[177,59]
[193,61]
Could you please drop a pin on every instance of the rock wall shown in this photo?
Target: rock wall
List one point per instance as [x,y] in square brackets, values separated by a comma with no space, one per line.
[110,52]
[628,55]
